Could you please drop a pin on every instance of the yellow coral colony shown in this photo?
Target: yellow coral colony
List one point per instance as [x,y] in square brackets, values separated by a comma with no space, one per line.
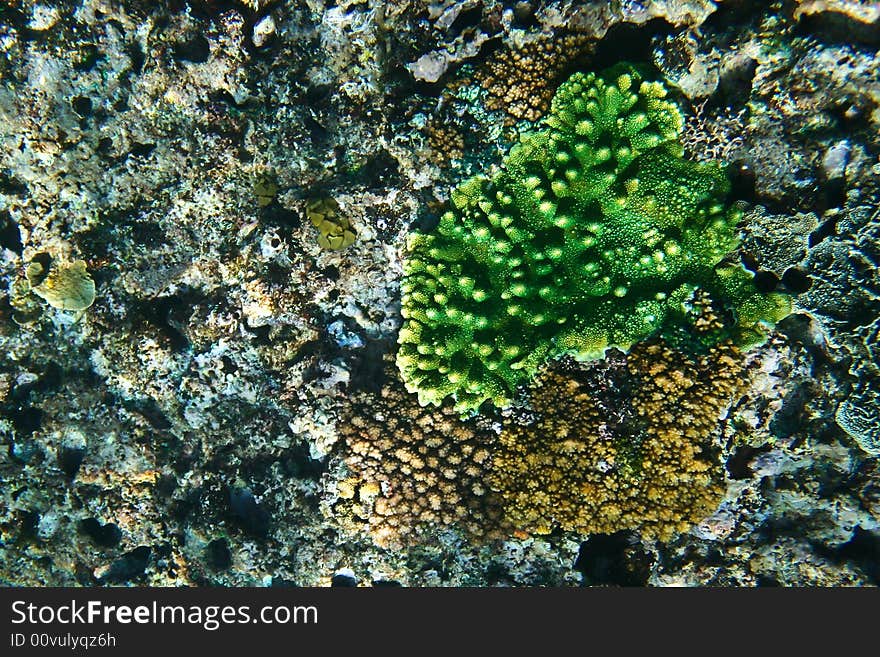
[626,443]
[66,286]
[646,464]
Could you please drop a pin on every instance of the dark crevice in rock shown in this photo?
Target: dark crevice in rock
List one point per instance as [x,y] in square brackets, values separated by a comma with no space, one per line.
[731,14]
[826,229]
[196,49]
[833,194]
[12,186]
[247,513]
[10,236]
[25,419]
[628,42]
[766,281]
[69,460]
[742,181]
[735,84]
[796,280]
[170,315]
[838,28]
[218,555]
[613,560]
[141,150]
[739,463]
[794,414]
[128,567]
[862,550]
[104,535]
[343,580]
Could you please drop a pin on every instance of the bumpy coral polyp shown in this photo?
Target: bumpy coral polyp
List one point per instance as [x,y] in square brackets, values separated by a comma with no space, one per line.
[591,234]
[415,470]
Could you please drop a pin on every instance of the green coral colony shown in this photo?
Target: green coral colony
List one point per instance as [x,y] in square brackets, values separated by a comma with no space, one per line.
[595,232]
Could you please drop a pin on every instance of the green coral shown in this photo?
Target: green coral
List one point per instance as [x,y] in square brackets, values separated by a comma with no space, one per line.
[595,232]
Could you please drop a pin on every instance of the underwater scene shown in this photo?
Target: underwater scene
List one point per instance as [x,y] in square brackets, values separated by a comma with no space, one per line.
[459,294]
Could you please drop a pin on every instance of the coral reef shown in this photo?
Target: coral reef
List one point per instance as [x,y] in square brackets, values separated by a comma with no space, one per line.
[593,234]
[185,429]
[335,230]
[446,143]
[265,187]
[623,443]
[66,286]
[842,295]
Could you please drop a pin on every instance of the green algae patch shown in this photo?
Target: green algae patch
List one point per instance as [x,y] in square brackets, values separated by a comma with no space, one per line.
[335,231]
[265,187]
[594,232]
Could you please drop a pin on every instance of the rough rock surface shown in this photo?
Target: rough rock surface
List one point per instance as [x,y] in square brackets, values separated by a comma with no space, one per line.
[184,428]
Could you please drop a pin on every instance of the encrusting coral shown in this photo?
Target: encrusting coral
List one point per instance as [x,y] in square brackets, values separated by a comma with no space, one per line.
[594,233]
[64,285]
[265,187]
[446,143]
[623,443]
[520,82]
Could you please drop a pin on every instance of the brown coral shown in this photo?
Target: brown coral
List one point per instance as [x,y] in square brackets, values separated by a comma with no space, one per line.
[624,444]
[415,470]
[522,82]
[445,141]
